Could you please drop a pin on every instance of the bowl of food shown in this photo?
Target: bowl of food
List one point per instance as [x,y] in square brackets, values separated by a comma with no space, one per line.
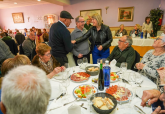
[92,70]
[103,103]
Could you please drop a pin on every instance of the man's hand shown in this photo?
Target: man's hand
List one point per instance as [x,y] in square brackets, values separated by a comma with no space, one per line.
[100,48]
[158,111]
[80,55]
[153,95]
[73,41]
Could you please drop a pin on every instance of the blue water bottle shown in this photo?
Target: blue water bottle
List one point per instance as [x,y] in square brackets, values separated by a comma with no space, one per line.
[141,35]
[106,73]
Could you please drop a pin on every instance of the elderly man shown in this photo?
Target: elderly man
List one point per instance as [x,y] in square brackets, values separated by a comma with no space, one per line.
[60,39]
[82,49]
[123,52]
[25,90]
[29,45]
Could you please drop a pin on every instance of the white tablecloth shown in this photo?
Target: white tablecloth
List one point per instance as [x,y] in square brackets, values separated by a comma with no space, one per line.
[136,42]
[63,110]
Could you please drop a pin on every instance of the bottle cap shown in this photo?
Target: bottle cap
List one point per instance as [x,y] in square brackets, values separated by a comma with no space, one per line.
[106,61]
[101,61]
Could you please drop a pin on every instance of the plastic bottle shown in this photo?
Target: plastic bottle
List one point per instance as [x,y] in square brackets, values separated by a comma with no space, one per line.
[106,73]
[141,35]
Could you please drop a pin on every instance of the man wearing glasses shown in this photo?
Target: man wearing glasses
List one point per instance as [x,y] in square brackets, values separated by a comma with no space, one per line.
[82,49]
[123,52]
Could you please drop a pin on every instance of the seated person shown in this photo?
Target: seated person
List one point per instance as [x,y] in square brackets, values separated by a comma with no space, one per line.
[163,34]
[123,52]
[29,44]
[136,31]
[121,30]
[25,90]
[46,61]
[152,60]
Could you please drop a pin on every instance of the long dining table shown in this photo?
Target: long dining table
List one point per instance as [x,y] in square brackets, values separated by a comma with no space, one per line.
[56,91]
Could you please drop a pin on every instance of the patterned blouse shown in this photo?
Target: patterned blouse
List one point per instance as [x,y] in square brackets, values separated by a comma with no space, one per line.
[138,32]
[152,63]
[124,32]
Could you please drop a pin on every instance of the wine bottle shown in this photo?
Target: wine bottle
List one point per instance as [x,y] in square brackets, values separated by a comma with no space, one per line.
[101,78]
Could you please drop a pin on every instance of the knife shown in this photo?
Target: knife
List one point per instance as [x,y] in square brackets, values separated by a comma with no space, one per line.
[125,81]
[139,109]
[62,94]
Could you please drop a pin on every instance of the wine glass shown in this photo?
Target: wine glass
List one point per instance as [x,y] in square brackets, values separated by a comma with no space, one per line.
[79,62]
[88,92]
[138,78]
[132,78]
[85,61]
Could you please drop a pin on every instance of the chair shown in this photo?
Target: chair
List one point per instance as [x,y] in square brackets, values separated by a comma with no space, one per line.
[137,59]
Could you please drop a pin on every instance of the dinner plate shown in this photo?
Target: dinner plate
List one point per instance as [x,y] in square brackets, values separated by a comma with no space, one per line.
[79,81]
[115,80]
[76,96]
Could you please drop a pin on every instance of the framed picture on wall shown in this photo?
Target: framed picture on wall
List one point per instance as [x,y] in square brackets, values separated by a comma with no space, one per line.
[18,17]
[125,13]
[88,13]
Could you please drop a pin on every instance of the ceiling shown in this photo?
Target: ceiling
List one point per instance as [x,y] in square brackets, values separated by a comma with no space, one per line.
[20,3]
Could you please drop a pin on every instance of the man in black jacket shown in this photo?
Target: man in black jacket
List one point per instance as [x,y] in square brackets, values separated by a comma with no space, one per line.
[60,39]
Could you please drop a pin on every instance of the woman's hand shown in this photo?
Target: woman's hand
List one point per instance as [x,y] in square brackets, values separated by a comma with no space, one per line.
[139,66]
[57,70]
[73,41]
[161,72]
[100,48]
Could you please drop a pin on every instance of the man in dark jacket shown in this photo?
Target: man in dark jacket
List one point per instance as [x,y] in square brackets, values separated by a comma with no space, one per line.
[60,39]
[123,52]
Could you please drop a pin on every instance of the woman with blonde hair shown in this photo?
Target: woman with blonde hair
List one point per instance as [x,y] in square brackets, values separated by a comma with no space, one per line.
[136,31]
[121,30]
[39,38]
[46,61]
[10,63]
[100,37]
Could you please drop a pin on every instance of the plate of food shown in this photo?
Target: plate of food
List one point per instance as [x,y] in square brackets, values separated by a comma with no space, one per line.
[114,91]
[103,103]
[114,77]
[79,77]
[79,91]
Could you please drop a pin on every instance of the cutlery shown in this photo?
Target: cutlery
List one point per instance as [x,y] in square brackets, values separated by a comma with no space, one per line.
[125,81]
[83,105]
[139,84]
[139,109]
[58,96]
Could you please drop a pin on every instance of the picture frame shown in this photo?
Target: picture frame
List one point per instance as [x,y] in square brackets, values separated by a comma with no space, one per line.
[88,13]
[125,13]
[18,17]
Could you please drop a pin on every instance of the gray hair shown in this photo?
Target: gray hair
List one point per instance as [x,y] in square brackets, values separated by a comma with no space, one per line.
[163,40]
[26,90]
[77,18]
[129,40]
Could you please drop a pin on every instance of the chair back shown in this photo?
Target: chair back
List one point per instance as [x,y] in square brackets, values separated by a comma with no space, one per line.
[137,60]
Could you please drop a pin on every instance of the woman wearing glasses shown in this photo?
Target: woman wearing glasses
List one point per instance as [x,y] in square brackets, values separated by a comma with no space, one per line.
[46,61]
[100,37]
[153,60]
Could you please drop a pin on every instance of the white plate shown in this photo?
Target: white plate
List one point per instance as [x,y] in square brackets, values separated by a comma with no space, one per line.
[75,95]
[115,80]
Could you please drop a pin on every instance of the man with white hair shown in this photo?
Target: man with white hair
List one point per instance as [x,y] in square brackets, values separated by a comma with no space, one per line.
[25,90]
[124,52]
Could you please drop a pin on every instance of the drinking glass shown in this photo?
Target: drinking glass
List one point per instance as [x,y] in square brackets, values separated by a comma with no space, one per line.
[132,78]
[66,65]
[123,67]
[121,86]
[79,62]
[98,62]
[103,60]
[138,78]
[129,95]
[85,61]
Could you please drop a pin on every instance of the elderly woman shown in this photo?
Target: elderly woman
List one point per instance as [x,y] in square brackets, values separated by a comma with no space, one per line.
[136,31]
[100,37]
[147,26]
[121,30]
[153,60]
[46,61]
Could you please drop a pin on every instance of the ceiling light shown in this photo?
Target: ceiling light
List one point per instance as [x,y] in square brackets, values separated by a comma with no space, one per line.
[38,0]
[15,2]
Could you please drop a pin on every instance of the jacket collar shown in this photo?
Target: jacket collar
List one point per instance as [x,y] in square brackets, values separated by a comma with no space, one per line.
[125,49]
[102,26]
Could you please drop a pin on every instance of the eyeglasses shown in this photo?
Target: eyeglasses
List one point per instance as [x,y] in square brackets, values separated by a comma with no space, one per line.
[49,54]
[158,39]
[122,41]
[82,21]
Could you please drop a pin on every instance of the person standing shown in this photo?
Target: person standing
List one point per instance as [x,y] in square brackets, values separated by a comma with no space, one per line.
[101,38]
[87,25]
[82,49]
[147,26]
[60,38]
